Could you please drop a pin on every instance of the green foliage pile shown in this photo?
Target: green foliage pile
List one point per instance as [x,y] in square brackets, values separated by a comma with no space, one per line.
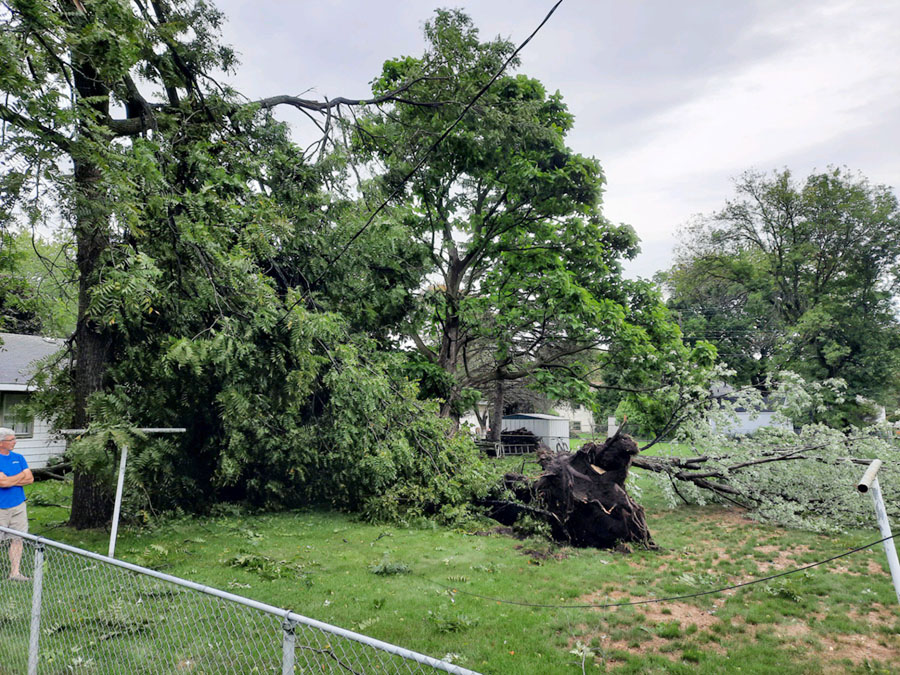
[801,476]
[296,424]
[209,294]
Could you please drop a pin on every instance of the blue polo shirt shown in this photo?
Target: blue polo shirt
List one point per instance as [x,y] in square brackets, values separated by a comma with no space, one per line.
[12,464]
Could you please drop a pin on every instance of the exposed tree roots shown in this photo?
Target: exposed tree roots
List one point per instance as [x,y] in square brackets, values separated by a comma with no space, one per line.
[580,495]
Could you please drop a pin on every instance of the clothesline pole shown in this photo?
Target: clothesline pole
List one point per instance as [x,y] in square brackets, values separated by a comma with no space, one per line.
[120,484]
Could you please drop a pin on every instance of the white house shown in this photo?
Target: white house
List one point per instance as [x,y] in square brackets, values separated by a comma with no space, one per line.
[581,419]
[18,354]
[749,421]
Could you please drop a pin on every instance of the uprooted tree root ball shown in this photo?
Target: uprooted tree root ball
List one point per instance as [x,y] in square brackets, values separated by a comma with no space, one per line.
[580,495]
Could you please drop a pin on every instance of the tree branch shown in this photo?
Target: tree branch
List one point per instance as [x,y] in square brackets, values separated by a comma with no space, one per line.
[59,140]
[327,104]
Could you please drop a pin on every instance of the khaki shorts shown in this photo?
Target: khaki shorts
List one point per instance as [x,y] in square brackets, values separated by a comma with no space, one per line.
[15,518]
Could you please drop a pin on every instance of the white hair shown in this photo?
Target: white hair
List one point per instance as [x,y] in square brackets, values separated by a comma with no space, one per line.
[6,433]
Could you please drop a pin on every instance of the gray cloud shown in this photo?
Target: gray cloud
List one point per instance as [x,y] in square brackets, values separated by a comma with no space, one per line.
[675,98]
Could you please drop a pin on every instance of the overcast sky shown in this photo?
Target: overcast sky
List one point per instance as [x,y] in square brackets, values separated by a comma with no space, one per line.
[674,98]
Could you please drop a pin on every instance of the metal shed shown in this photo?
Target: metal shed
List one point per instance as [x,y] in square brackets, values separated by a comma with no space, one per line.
[552,430]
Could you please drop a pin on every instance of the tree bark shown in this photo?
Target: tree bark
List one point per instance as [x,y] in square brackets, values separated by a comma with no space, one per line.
[497,411]
[91,502]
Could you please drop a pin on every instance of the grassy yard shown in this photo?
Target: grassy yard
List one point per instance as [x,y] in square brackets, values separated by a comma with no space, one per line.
[841,617]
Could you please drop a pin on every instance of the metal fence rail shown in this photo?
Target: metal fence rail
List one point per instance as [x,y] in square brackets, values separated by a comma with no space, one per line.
[81,611]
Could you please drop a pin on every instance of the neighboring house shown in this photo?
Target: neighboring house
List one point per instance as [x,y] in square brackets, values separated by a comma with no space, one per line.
[749,421]
[581,419]
[18,354]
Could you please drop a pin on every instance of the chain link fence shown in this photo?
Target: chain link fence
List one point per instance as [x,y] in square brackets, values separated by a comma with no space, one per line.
[83,612]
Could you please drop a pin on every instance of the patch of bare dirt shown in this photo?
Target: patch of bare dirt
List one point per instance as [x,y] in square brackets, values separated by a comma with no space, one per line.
[681,612]
[727,519]
[854,647]
[536,554]
[874,568]
[840,569]
[781,558]
[860,648]
[877,615]
[654,614]
[794,631]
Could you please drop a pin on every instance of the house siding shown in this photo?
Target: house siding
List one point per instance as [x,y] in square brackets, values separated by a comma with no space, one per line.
[41,446]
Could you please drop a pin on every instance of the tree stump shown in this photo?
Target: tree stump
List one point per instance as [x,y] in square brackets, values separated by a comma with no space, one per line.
[581,495]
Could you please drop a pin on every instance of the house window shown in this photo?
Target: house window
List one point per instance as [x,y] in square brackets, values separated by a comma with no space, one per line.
[576,426]
[12,416]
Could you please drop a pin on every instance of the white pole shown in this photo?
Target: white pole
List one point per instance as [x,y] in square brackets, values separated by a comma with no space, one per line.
[611,426]
[869,481]
[884,525]
[118,507]
[121,484]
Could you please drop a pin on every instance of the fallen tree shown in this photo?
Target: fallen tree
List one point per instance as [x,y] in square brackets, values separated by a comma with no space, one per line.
[580,495]
[801,480]
[53,472]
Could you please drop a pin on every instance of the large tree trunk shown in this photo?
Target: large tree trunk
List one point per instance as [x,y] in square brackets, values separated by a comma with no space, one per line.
[497,412]
[581,496]
[91,502]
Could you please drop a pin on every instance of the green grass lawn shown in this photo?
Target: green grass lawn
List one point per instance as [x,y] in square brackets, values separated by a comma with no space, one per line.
[842,617]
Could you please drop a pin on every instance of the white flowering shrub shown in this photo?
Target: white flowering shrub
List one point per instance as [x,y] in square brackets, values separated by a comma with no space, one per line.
[794,474]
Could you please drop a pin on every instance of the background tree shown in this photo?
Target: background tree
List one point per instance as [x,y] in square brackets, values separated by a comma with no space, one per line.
[41,275]
[724,299]
[20,306]
[799,275]
[519,270]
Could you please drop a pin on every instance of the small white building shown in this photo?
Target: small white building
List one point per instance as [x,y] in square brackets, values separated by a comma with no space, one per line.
[552,430]
[18,357]
[581,419]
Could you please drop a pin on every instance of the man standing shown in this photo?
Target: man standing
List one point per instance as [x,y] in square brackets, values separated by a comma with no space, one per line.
[14,473]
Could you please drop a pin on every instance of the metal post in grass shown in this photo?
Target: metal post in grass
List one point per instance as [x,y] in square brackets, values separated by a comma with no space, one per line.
[288,645]
[120,484]
[117,509]
[36,593]
[868,482]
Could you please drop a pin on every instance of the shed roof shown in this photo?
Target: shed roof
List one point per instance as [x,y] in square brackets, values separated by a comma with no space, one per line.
[533,416]
[18,354]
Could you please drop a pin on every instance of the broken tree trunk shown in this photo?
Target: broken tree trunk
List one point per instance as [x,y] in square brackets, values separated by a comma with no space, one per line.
[581,496]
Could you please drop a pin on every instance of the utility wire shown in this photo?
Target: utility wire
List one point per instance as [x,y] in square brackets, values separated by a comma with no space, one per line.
[671,598]
[421,162]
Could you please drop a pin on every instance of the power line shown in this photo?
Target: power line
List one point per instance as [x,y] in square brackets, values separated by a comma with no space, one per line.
[671,598]
[421,162]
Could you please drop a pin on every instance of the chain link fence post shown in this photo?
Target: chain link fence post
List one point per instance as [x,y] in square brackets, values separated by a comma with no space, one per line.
[288,642]
[36,593]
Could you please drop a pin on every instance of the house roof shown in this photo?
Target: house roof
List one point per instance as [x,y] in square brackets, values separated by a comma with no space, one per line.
[18,354]
[532,416]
